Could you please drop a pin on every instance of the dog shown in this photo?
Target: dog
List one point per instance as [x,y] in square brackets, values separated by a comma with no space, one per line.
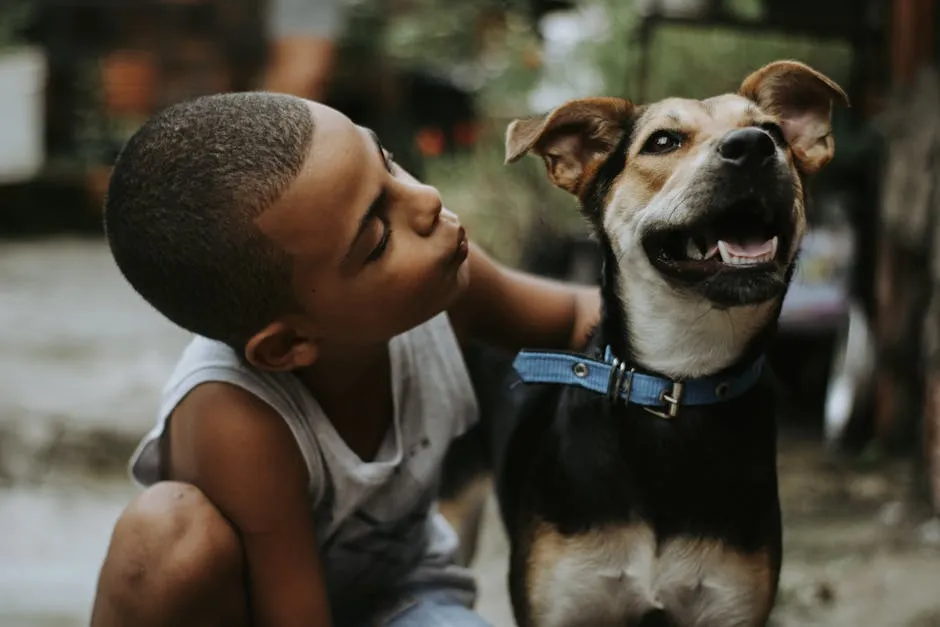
[637,481]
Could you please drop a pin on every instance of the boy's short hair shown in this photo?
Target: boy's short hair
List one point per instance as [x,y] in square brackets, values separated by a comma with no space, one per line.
[181,207]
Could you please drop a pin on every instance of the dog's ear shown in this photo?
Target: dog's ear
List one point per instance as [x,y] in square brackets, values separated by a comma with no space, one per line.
[802,99]
[573,139]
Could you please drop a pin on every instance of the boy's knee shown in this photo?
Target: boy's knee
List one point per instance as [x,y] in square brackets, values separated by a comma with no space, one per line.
[170,541]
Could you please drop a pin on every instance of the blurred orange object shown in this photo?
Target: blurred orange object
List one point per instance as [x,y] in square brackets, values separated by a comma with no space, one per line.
[532,58]
[128,79]
[430,141]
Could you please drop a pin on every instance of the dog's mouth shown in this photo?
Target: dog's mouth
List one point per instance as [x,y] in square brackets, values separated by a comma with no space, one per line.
[747,237]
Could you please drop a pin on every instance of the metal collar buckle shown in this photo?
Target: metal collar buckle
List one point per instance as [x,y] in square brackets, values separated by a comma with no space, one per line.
[620,379]
[671,401]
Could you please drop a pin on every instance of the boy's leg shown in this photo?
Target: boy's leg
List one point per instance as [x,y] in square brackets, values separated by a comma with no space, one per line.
[173,560]
[432,608]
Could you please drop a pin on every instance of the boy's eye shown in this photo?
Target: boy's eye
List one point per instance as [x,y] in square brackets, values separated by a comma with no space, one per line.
[379,249]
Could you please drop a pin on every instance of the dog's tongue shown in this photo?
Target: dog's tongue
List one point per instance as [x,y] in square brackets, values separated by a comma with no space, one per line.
[748,249]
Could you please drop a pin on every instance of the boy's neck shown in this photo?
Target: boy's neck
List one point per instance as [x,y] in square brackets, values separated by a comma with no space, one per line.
[347,369]
[354,389]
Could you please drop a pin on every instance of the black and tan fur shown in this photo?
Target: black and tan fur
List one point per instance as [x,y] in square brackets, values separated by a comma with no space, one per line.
[616,516]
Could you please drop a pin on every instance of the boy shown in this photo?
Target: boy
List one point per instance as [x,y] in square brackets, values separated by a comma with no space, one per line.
[294,465]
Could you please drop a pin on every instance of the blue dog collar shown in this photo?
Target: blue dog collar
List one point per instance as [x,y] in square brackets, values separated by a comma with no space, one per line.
[613,378]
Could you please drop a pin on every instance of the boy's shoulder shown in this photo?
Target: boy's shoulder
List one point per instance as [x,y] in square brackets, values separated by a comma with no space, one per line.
[203,359]
[215,374]
[202,351]
[217,409]
[236,449]
[214,398]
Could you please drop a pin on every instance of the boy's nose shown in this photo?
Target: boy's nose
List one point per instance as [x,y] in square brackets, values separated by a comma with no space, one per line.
[428,206]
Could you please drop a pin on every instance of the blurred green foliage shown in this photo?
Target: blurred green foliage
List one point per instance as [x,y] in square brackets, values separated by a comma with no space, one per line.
[501,203]
[15,15]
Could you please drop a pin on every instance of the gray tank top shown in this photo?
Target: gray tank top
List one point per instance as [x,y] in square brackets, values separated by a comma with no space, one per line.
[377,523]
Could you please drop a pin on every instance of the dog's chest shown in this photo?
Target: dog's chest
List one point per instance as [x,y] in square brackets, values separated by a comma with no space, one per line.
[617,575]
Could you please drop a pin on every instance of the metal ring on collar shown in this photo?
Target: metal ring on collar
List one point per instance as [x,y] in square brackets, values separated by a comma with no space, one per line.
[615,380]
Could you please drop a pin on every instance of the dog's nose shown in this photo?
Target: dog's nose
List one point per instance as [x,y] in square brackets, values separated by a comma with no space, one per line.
[747,148]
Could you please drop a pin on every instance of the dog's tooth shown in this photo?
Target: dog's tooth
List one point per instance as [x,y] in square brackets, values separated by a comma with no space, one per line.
[692,250]
[773,248]
[735,260]
[723,251]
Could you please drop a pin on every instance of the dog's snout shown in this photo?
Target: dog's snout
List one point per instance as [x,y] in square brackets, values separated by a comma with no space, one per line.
[747,148]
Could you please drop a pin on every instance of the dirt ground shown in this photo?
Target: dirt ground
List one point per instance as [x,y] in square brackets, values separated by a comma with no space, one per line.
[82,360]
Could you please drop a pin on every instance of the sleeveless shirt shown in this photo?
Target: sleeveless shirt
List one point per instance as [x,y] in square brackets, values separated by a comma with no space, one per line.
[377,524]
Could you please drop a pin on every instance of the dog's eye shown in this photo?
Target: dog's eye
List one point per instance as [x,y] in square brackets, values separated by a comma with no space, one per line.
[662,142]
[776,132]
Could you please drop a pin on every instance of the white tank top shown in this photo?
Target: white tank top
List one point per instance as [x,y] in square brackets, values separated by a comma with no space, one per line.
[377,523]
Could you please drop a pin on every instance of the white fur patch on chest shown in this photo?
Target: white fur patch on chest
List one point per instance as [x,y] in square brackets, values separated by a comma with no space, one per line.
[615,575]
[685,337]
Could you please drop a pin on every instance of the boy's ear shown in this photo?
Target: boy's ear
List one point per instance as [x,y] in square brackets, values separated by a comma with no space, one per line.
[280,347]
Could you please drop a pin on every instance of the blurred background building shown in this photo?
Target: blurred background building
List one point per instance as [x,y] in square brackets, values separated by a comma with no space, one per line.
[82,359]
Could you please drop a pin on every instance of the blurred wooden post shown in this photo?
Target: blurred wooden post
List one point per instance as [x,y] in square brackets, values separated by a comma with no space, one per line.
[912,38]
[922,52]
[907,285]
[907,293]
[930,459]
[931,407]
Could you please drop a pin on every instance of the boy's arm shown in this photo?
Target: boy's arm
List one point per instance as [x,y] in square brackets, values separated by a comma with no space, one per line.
[241,454]
[515,310]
